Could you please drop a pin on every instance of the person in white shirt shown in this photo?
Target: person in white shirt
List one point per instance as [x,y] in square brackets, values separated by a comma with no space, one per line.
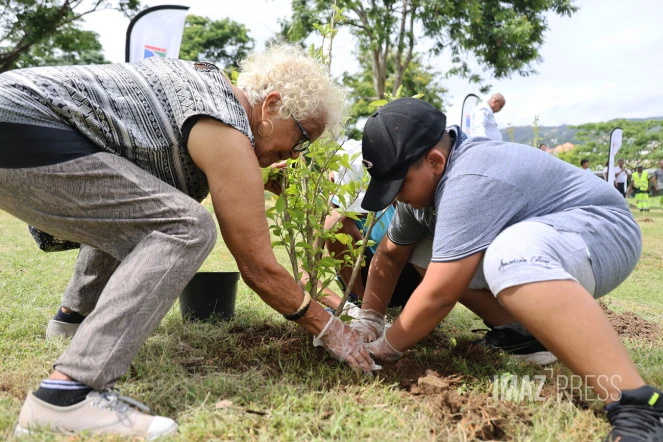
[483,118]
[621,177]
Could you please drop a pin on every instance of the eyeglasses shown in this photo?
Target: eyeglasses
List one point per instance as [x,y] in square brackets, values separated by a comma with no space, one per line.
[305,142]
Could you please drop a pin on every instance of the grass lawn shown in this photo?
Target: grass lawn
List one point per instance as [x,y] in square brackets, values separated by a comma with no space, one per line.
[281,388]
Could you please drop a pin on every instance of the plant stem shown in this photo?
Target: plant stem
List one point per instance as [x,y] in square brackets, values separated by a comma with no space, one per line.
[372,219]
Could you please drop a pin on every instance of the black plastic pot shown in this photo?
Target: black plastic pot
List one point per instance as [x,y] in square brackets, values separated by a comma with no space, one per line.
[209,294]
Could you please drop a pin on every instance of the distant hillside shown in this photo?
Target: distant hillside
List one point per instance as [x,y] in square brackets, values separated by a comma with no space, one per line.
[551,135]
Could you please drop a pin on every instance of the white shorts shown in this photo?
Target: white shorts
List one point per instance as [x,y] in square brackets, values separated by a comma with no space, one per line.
[423,253]
[524,253]
[531,251]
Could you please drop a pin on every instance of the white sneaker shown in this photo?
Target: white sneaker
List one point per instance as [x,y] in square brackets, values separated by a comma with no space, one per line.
[59,329]
[102,412]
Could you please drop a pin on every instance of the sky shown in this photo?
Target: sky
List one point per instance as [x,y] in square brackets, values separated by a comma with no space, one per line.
[604,62]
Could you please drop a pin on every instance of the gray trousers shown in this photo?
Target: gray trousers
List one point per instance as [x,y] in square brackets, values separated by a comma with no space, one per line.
[143,241]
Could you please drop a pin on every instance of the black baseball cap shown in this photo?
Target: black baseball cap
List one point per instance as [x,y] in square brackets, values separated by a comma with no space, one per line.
[395,137]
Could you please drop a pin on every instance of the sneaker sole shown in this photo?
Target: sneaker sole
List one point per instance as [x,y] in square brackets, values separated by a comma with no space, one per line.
[21,432]
[540,358]
[58,329]
[18,432]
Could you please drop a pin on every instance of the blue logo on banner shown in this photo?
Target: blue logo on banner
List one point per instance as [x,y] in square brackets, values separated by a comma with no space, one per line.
[151,51]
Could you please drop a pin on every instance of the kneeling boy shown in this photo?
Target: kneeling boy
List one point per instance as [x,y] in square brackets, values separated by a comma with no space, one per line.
[545,253]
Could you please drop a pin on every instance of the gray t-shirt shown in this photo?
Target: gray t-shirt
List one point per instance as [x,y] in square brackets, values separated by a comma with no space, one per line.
[659,178]
[491,185]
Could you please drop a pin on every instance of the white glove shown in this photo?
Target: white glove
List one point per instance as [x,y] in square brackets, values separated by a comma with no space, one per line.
[382,350]
[351,310]
[345,345]
[369,325]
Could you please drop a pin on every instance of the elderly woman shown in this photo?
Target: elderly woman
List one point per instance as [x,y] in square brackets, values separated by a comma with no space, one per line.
[117,158]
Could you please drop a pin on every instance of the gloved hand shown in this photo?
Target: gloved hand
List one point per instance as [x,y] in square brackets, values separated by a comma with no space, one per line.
[369,325]
[382,350]
[344,344]
[351,310]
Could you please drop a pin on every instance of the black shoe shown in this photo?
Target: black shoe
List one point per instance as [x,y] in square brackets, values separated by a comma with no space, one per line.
[64,324]
[525,348]
[637,417]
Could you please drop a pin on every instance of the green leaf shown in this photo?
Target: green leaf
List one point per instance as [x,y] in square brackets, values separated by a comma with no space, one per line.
[280,204]
[343,238]
[378,103]
[399,91]
[265,174]
[346,318]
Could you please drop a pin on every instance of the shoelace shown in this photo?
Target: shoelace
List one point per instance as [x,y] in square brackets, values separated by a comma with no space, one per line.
[638,420]
[112,400]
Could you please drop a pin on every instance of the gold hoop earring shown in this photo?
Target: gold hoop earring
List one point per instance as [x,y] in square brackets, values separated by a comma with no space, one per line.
[271,125]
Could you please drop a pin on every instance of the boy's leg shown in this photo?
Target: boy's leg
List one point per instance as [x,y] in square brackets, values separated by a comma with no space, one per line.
[565,317]
[571,324]
[548,285]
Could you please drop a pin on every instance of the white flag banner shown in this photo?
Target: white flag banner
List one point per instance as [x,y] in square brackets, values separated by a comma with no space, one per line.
[615,145]
[156,32]
[470,102]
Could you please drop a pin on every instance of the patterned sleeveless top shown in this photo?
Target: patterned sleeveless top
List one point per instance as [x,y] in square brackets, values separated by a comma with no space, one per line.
[137,110]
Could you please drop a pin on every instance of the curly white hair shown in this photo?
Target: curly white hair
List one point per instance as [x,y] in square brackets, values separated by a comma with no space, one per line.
[307,92]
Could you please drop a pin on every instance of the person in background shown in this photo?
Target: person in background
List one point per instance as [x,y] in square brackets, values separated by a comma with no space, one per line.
[543,147]
[584,163]
[605,171]
[658,182]
[483,118]
[621,177]
[640,185]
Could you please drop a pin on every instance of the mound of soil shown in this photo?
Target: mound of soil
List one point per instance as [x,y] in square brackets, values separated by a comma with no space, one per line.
[629,325]
[479,415]
[645,220]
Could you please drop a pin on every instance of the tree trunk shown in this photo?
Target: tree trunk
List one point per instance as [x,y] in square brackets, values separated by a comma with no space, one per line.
[379,74]
[401,65]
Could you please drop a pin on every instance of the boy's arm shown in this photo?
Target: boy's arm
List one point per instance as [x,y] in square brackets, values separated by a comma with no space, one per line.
[386,267]
[432,301]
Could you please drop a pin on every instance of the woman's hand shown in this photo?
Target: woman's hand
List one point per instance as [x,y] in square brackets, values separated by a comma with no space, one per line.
[272,176]
[345,345]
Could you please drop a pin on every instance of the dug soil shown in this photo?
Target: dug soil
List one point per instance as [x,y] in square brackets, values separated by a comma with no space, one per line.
[629,325]
[477,415]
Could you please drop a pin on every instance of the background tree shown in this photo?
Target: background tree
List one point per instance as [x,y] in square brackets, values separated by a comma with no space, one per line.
[504,36]
[418,78]
[27,24]
[71,45]
[217,41]
[642,141]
